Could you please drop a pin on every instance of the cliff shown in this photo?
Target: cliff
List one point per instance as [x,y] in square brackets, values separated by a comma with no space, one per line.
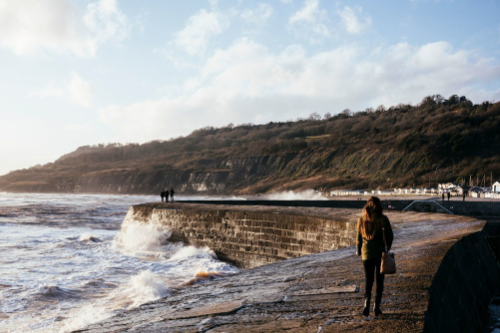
[402,146]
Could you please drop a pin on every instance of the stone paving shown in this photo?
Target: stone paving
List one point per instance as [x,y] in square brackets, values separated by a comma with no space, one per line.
[315,293]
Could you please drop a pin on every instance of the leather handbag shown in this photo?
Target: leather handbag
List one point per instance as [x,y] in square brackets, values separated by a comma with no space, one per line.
[388,265]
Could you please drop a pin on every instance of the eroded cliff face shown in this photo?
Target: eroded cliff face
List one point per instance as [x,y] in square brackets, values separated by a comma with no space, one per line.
[250,236]
[220,174]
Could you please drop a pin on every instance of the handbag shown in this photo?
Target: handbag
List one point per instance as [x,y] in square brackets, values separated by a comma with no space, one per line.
[388,265]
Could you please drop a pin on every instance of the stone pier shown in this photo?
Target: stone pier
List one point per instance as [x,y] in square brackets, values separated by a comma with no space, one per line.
[251,236]
[446,272]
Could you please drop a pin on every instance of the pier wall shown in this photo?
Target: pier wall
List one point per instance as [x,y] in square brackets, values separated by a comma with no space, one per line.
[480,209]
[462,287]
[248,237]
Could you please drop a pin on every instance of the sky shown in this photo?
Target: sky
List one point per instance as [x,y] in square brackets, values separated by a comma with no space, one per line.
[79,72]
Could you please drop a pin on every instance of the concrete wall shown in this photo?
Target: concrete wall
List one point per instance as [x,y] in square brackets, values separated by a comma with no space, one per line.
[353,204]
[248,238]
[467,279]
[463,286]
[482,209]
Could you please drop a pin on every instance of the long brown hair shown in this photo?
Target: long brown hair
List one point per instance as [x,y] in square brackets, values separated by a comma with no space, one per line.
[371,218]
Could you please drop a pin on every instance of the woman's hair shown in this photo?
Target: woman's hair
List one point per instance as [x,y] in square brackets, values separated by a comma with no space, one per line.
[371,218]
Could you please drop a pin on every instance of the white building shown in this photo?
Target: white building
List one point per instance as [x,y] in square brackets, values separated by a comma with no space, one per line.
[446,187]
[458,190]
[496,187]
[476,192]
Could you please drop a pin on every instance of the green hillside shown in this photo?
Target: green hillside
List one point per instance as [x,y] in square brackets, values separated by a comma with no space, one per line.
[436,141]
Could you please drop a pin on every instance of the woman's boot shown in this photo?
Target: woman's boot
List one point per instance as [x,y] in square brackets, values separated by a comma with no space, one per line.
[366,309]
[376,306]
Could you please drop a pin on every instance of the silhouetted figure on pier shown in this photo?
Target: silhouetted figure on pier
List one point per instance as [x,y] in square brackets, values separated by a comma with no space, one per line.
[172,192]
[162,195]
[464,196]
[166,195]
[442,195]
[449,195]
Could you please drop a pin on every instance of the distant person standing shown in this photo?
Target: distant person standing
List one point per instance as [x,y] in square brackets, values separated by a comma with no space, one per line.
[172,192]
[449,195]
[442,195]
[166,195]
[370,244]
[162,195]
[464,196]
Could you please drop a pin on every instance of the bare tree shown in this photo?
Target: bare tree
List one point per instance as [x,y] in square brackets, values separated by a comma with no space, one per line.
[346,112]
[314,116]
[438,98]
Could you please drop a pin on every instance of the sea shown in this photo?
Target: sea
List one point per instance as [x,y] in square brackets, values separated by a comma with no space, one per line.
[65,262]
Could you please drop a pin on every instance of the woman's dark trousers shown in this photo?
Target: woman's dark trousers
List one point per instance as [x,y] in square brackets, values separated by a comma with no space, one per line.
[372,271]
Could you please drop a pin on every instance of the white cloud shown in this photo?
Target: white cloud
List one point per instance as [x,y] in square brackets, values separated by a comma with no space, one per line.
[248,83]
[199,30]
[78,91]
[351,20]
[286,1]
[308,13]
[310,19]
[56,25]
[49,91]
[76,128]
[106,22]
[259,15]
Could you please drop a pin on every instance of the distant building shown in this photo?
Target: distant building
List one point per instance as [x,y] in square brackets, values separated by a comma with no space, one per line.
[345,193]
[476,192]
[496,187]
[381,192]
[458,190]
[446,187]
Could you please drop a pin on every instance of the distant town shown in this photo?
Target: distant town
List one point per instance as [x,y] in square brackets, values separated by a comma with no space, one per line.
[455,190]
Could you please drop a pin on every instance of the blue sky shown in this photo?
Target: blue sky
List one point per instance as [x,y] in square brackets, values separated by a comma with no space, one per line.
[75,72]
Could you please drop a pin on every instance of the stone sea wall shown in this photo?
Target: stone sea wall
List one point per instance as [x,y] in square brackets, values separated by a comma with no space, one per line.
[321,292]
[249,237]
[448,270]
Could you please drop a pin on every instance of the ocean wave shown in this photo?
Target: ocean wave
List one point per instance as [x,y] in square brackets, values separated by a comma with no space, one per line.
[92,268]
[99,283]
[86,237]
[291,195]
[188,252]
[140,237]
[85,315]
[48,291]
[145,287]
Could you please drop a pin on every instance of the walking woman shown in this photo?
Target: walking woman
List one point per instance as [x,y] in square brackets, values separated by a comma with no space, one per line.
[372,226]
